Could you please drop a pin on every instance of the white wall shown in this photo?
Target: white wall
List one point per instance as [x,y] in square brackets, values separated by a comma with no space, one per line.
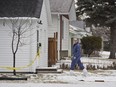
[72,13]
[43,38]
[5,47]
[47,3]
[66,34]
[70,49]
[55,25]
[25,53]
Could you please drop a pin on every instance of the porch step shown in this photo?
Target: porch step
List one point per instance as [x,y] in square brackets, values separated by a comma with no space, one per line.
[48,70]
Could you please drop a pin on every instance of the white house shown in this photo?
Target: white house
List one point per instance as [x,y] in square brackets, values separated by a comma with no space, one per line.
[34,15]
[62,11]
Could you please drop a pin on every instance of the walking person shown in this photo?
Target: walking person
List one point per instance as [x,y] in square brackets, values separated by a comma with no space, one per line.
[76,59]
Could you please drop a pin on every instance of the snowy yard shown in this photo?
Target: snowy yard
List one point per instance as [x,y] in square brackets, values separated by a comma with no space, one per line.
[66,77]
[95,78]
[101,62]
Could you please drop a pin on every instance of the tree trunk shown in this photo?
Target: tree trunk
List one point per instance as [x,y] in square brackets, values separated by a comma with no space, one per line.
[14,71]
[112,43]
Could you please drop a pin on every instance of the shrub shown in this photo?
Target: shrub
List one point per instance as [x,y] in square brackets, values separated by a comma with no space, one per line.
[90,44]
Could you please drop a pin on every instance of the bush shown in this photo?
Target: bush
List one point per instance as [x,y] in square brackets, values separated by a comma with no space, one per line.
[91,44]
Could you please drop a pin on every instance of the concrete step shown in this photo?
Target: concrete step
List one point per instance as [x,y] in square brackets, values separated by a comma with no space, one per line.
[48,70]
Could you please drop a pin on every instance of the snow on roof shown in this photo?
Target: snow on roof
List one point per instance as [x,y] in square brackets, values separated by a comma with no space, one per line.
[61,6]
[79,24]
[79,28]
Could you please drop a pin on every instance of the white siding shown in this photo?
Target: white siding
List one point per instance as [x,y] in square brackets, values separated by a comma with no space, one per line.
[72,13]
[5,47]
[43,38]
[66,34]
[55,25]
[47,3]
[33,46]
[23,56]
[69,49]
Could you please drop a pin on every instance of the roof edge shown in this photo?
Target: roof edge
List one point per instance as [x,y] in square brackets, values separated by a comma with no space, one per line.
[19,18]
[59,13]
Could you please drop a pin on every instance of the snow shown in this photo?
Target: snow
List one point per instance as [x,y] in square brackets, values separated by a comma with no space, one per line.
[66,77]
[102,61]
[95,78]
[66,80]
[106,76]
[104,54]
[79,84]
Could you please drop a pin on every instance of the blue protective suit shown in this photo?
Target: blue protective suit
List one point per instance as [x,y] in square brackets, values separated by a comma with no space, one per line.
[76,51]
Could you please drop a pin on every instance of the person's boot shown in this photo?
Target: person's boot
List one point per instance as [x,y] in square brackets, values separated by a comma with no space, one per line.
[72,72]
[85,73]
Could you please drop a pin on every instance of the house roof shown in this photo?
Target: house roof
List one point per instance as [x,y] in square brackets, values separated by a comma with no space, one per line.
[78,27]
[20,8]
[78,24]
[61,6]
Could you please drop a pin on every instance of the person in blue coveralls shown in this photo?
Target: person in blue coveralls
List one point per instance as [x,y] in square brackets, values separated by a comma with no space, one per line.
[76,58]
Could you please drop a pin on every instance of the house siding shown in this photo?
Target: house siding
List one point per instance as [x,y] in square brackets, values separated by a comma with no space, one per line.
[43,38]
[65,34]
[72,13]
[23,56]
[5,48]
[54,27]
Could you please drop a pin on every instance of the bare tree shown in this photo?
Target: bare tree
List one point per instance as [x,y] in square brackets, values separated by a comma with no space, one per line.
[20,29]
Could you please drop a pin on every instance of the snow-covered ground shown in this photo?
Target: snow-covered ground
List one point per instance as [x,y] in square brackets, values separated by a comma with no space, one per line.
[66,77]
[79,84]
[95,78]
[102,78]
[101,62]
